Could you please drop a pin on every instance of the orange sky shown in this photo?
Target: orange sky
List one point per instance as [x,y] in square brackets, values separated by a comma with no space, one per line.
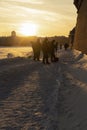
[37,17]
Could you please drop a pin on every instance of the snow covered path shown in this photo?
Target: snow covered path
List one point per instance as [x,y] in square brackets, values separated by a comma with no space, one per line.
[28,95]
[34,96]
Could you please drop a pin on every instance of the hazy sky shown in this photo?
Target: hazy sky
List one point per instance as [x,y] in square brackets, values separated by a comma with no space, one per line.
[42,17]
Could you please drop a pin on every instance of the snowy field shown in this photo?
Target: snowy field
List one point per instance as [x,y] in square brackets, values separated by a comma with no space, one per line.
[10,52]
[34,96]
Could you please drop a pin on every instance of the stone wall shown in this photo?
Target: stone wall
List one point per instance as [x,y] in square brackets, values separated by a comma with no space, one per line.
[80,41]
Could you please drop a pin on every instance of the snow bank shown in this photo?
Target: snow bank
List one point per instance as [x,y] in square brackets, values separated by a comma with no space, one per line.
[73,92]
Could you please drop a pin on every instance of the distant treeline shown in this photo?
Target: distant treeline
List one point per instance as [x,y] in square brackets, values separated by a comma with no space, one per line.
[15,41]
[26,41]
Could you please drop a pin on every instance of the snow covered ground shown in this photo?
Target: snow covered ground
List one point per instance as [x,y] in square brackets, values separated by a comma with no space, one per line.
[73,92]
[11,52]
[34,96]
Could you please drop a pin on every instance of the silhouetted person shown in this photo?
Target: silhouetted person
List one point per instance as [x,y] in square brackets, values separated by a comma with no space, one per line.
[38,49]
[56,46]
[34,50]
[36,46]
[52,50]
[66,46]
[60,46]
[45,50]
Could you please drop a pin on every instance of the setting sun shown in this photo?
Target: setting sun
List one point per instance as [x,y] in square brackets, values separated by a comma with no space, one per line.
[28,29]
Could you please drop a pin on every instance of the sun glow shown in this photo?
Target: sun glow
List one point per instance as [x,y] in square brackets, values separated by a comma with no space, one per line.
[28,29]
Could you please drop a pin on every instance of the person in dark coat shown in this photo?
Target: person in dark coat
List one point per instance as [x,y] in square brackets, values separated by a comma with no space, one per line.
[45,50]
[34,50]
[66,45]
[36,46]
[38,49]
[52,50]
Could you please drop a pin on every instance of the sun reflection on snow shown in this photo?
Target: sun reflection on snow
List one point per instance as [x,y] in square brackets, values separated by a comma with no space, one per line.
[10,52]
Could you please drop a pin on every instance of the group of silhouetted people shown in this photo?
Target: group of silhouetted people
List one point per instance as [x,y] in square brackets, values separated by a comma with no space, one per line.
[48,49]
